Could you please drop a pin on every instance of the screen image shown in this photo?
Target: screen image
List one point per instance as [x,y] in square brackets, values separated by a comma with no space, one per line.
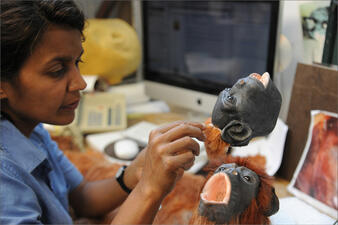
[208,45]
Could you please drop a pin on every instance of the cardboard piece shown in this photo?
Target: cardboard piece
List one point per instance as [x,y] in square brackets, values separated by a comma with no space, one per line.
[315,88]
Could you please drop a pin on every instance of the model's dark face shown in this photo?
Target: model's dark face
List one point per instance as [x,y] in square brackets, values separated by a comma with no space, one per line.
[246,110]
[235,103]
[228,192]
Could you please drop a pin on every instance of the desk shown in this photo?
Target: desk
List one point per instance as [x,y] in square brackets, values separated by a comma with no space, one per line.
[176,113]
[280,184]
[88,160]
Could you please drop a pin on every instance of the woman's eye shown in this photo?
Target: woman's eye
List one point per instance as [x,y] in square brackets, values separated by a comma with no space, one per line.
[58,73]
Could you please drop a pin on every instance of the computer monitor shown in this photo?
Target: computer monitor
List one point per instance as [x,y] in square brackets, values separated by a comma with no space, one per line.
[192,50]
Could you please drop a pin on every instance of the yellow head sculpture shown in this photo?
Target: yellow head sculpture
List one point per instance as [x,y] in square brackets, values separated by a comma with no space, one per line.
[111,49]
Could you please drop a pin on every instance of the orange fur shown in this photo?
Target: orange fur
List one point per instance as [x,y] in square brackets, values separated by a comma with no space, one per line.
[177,207]
[214,145]
[254,214]
[85,161]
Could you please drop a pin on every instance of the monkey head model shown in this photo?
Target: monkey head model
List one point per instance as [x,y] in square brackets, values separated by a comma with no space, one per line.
[238,192]
[247,110]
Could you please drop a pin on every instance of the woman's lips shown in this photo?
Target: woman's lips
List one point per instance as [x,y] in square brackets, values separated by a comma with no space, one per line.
[71,106]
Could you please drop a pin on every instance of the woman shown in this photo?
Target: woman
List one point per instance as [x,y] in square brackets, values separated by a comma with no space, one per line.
[40,83]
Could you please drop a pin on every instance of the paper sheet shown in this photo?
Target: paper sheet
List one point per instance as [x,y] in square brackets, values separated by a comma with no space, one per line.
[295,211]
[271,147]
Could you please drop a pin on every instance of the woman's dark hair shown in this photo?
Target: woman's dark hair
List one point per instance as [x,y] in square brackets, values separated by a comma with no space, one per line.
[23,23]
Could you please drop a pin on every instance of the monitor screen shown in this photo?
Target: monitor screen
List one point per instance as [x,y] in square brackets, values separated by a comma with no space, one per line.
[207,45]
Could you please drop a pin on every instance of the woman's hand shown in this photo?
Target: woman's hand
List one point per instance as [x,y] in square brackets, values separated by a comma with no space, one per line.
[170,151]
[134,170]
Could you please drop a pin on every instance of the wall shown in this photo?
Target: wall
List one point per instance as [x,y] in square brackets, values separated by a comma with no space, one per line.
[89,7]
[290,50]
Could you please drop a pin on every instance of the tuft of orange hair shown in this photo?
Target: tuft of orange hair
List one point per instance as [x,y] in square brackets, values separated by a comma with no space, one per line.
[214,145]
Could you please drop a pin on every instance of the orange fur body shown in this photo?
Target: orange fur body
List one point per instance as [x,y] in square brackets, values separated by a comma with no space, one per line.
[178,206]
[214,145]
[254,214]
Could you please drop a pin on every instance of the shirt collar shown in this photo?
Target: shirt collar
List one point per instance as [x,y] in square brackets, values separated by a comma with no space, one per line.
[19,147]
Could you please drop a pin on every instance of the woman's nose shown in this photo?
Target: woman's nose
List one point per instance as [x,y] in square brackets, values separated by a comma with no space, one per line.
[77,82]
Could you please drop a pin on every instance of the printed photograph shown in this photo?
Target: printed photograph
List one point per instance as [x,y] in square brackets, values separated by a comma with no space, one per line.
[316,174]
[314,19]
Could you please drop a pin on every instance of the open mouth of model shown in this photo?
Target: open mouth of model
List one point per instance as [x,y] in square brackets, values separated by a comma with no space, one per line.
[264,78]
[217,189]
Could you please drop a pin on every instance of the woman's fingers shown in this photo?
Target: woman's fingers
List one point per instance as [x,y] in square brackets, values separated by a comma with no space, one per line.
[182,130]
[166,127]
[196,124]
[171,150]
[179,174]
[163,129]
[183,145]
[182,161]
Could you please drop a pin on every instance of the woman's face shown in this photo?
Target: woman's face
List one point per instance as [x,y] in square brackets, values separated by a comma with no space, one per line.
[48,85]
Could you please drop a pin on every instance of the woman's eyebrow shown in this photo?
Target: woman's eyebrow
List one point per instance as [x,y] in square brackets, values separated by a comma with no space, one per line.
[64,58]
[61,59]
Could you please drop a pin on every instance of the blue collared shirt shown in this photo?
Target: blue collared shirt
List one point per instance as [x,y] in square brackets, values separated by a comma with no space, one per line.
[35,178]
